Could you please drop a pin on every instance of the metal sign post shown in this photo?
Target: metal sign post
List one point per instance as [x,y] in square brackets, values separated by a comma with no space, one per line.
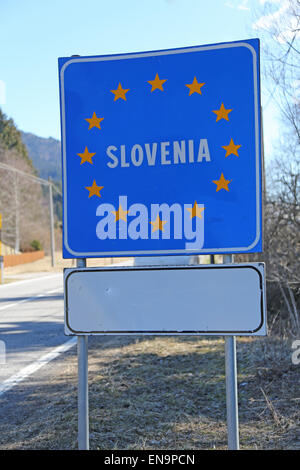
[231,393]
[83,387]
[153,299]
[161,156]
[231,385]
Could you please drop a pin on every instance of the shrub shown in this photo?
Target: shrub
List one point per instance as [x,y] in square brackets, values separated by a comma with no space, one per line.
[36,245]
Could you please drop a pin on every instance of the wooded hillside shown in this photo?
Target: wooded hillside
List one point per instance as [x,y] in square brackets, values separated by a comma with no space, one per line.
[23,202]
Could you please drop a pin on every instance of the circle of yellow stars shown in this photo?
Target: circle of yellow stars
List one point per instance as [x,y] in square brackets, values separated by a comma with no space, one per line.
[195,87]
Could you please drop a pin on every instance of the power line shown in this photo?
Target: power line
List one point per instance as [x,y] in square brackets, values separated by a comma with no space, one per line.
[50,185]
[28,175]
[32,177]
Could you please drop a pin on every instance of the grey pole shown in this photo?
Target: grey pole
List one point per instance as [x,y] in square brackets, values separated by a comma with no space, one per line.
[83,391]
[231,385]
[175,260]
[1,257]
[1,269]
[17,216]
[231,393]
[52,242]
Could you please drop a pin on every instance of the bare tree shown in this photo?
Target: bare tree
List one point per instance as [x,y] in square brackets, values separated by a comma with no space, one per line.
[279,25]
[23,206]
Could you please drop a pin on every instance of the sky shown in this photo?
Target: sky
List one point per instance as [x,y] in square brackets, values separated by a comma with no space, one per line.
[34,33]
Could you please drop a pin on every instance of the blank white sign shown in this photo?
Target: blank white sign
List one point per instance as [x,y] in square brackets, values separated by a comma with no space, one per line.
[207,299]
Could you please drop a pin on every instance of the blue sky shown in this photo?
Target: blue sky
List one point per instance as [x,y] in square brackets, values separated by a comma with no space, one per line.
[34,33]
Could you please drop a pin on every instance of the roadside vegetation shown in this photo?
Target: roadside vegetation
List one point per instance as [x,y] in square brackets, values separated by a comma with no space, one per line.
[169,392]
[159,393]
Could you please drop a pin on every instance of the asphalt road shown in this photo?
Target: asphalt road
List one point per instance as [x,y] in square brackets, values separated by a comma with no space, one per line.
[31,322]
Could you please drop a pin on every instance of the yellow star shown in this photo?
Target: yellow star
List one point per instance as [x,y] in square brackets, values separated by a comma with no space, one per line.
[120,214]
[94,121]
[157,83]
[94,189]
[222,113]
[222,183]
[86,156]
[120,92]
[231,148]
[195,87]
[158,224]
[196,211]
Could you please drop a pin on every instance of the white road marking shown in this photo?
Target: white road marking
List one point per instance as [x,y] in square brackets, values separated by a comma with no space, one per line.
[9,383]
[54,290]
[28,299]
[3,286]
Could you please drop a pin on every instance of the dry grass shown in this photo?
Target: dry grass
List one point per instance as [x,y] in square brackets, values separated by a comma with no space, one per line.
[160,393]
[156,393]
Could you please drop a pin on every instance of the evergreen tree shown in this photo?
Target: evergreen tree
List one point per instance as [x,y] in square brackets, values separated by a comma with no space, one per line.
[10,138]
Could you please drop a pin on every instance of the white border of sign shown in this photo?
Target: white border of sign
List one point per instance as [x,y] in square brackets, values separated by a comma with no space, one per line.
[166,300]
[257,150]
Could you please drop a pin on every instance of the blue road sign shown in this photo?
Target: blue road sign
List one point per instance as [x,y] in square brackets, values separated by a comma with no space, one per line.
[162,152]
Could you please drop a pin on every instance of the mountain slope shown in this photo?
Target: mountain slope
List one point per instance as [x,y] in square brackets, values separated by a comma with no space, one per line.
[45,155]
[24,205]
[11,139]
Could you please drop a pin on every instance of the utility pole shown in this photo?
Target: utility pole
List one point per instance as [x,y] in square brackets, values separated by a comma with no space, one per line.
[1,256]
[52,241]
[17,216]
[36,179]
